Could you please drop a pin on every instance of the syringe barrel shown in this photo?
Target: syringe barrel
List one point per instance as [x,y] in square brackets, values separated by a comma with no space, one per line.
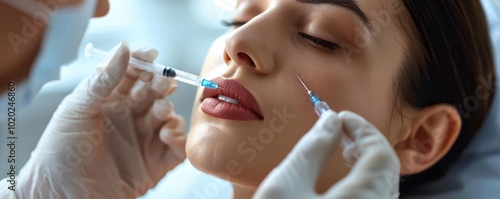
[90,51]
[189,78]
[321,107]
[158,69]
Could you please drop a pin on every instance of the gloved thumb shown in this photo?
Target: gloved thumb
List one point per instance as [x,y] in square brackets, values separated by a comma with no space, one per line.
[86,99]
[146,54]
[317,146]
[376,173]
[302,166]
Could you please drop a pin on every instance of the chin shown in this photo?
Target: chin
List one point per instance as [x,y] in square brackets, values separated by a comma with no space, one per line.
[212,148]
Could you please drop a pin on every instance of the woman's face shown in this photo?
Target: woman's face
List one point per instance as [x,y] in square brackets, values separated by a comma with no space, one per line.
[347,53]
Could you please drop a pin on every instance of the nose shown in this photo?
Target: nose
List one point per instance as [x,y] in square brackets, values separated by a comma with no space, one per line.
[248,48]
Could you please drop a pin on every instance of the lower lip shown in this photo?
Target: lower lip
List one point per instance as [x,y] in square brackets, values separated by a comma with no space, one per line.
[226,110]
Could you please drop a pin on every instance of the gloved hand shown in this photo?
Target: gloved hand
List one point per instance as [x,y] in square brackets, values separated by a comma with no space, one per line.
[107,140]
[374,175]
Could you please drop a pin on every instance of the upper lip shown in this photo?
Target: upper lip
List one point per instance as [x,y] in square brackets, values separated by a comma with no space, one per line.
[233,89]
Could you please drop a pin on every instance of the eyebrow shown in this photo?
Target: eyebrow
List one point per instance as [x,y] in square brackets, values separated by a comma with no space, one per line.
[352,5]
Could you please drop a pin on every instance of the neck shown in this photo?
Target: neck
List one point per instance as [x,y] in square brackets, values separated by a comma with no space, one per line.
[241,192]
[19,44]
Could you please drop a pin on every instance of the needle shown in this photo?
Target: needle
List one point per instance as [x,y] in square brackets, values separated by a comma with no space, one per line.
[319,106]
[303,83]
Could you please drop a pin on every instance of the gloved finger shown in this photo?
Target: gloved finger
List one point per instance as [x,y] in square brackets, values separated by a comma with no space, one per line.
[85,100]
[143,97]
[159,113]
[173,134]
[350,151]
[377,168]
[158,88]
[163,86]
[133,74]
[308,157]
[369,141]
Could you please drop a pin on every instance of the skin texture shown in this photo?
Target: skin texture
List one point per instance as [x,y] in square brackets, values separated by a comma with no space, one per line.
[267,53]
[16,65]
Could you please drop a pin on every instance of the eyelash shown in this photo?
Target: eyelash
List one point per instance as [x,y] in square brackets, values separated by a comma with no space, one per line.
[317,41]
[233,24]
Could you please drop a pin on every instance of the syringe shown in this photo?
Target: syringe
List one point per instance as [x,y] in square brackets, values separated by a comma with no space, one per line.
[321,107]
[155,68]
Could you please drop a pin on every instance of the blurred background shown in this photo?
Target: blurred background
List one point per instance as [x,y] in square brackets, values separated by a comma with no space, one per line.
[182,31]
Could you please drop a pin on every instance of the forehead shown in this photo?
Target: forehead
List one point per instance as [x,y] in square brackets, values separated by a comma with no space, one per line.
[379,13]
[382,15]
[365,5]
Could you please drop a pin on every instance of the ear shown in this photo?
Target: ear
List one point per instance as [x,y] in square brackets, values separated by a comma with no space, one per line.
[430,136]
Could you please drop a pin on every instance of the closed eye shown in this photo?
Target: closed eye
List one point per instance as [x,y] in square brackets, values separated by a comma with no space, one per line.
[319,42]
[234,24]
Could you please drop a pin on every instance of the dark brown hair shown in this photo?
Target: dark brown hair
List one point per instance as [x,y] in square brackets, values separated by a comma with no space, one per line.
[450,61]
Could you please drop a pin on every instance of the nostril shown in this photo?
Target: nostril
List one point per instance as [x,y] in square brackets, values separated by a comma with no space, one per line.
[226,56]
[245,58]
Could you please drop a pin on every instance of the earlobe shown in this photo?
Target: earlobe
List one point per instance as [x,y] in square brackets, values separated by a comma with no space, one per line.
[430,136]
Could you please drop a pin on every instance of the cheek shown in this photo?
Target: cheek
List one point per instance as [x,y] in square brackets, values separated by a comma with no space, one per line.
[354,88]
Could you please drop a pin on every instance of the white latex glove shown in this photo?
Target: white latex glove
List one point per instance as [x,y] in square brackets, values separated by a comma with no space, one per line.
[375,175]
[107,140]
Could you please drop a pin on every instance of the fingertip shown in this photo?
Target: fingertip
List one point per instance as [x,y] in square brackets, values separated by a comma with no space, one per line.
[145,76]
[146,54]
[326,130]
[165,135]
[119,49]
[352,121]
[105,80]
[118,64]
[329,114]
[173,86]
[119,57]
[125,46]
[162,109]
[172,137]
[163,86]
[152,54]
[328,121]
[348,115]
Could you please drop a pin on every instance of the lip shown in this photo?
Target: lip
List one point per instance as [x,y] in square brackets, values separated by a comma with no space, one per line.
[248,109]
